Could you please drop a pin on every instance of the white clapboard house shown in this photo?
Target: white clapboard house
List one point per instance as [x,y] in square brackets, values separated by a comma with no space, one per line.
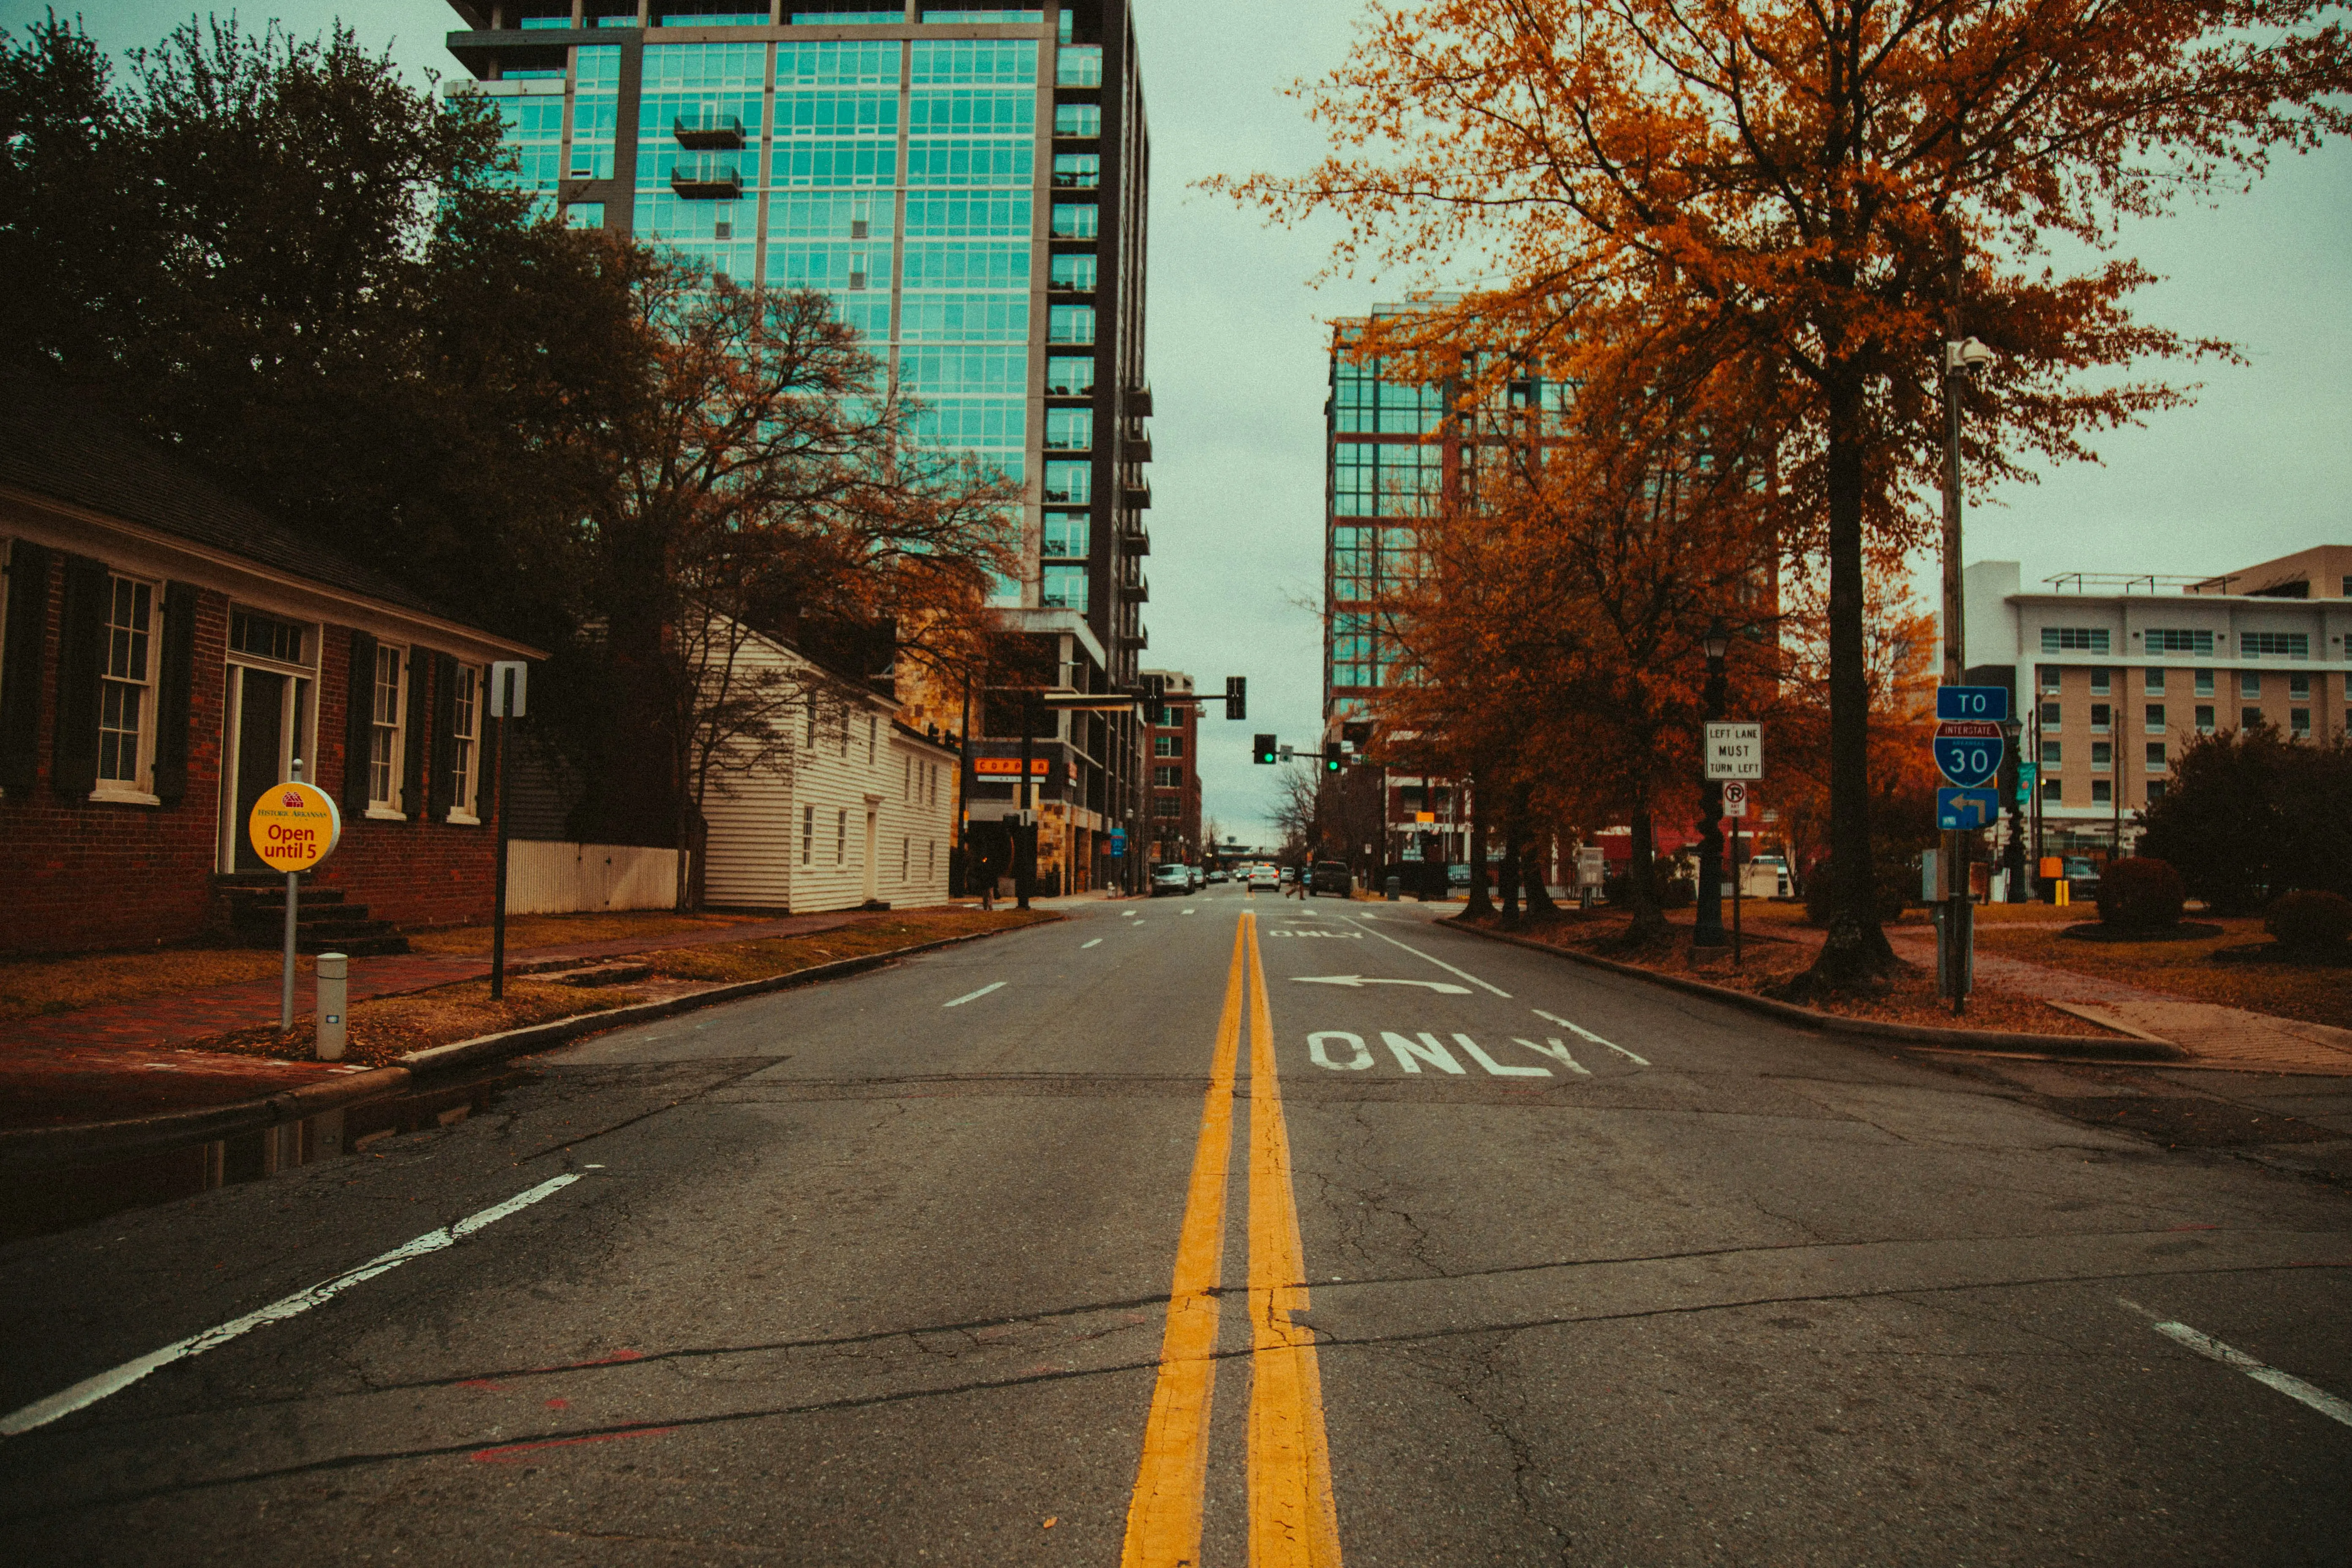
[845,805]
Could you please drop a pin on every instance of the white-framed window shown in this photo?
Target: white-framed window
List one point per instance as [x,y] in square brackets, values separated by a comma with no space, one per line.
[465,745]
[840,836]
[126,701]
[808,833]
[387,729]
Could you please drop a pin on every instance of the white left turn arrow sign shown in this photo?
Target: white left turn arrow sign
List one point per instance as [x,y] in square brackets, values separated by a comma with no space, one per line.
[1352,980]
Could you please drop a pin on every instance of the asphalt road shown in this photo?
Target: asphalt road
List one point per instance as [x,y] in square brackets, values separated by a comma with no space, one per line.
[1086,1242]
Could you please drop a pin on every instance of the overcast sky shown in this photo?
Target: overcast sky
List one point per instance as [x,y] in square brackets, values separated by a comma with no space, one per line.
[2260,466]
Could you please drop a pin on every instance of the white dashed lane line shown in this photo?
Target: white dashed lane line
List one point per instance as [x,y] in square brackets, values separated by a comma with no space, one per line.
[2293,1388]
[1584,1033]
[1084,945]
[972,997]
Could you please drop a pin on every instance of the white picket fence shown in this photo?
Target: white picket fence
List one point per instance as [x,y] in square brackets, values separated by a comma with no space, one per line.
[549,878]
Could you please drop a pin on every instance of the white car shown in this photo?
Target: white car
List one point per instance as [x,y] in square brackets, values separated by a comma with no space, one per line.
[1171,877]
[1264,877]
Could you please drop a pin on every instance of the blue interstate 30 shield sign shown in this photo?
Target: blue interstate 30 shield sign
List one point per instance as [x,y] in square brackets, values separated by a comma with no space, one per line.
[1968,752]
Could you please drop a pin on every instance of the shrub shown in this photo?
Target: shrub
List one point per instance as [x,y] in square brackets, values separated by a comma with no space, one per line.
[1673,891]
[2310,921]
[2142,893]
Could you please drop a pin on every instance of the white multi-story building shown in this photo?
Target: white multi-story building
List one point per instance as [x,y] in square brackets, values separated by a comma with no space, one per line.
[2114,674]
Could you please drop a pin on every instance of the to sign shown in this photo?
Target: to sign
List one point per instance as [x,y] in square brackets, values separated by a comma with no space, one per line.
[1734,799]
[1972,702]
[1967,759]
[293,827]
[1734,750]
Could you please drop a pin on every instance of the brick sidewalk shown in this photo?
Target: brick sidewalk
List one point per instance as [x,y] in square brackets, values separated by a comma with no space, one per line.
[158,1021]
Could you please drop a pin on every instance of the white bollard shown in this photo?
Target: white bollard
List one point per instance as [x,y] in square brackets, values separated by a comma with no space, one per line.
[334,987]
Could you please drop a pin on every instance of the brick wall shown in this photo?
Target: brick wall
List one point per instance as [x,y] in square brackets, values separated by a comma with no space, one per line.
[82,875]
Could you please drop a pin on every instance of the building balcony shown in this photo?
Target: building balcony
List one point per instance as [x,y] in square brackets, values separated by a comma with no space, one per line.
[707,179]
[1138,402]
[1135,585]
[1140,637]
[1135,493]
[1133,537]
[1136,438]
[708,130]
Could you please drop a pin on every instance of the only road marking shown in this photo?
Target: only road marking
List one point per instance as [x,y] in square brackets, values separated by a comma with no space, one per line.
[976,995]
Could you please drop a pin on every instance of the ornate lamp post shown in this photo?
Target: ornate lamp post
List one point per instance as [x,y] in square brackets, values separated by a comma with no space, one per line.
[1708,932]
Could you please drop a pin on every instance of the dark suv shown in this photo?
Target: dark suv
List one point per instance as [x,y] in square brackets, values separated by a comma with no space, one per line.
[1328,877]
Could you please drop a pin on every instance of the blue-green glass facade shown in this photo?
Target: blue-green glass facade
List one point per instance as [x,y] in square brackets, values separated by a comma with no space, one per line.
[966,187]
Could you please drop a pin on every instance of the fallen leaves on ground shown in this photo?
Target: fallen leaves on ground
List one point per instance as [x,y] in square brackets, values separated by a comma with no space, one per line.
[37,987]
[762,958]
[382,1030]
[566,930]
[2315,994]
[1910,999]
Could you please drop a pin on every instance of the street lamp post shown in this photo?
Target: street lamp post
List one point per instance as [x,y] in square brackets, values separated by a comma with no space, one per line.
[1709,930]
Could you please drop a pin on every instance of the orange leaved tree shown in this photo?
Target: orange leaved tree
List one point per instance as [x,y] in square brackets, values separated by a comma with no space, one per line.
[1829,187]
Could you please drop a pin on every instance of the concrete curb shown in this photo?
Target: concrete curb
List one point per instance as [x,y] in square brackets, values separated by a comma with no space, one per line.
[87,1142]
[83,1143]
[1870,1028]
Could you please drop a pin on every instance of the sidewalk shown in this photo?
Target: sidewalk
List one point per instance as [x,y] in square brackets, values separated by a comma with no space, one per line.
[156,1022]
[2210,1032]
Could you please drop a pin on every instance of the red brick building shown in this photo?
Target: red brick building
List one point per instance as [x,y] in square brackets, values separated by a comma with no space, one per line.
[1173,829]
[167,652]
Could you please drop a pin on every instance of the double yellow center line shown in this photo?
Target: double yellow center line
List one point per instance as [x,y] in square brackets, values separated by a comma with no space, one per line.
[1293,1520]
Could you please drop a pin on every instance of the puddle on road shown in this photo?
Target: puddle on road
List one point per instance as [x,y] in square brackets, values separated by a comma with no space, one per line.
[40,1203]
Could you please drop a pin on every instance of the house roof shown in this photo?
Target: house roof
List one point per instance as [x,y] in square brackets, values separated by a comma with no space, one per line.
[59,444]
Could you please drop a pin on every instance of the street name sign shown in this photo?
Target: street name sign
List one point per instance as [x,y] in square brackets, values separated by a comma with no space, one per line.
[1965,755]
[1964,809]
[294,825]
[1735,750]
[1991,702]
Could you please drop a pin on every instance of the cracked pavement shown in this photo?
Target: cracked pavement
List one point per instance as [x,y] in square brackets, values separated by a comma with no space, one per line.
[850,1277]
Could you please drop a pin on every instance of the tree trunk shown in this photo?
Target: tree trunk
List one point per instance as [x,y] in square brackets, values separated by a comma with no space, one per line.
[1507,874]
[1649,920]
[1854,953]
[1533,859]
[1481,904]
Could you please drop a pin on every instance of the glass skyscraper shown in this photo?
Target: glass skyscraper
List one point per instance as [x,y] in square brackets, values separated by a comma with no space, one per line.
[968,188]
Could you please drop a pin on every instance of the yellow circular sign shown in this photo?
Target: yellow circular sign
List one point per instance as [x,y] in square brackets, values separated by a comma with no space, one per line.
[294,826]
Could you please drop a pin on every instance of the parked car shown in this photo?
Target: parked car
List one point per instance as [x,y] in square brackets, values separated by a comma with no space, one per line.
[1289,874]
[1193,873]
[2081,877]
[1264,877]
[1457,875]
[1329,877]
[1172,877]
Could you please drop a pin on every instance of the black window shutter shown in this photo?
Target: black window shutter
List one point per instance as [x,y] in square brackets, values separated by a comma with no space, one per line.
[176,692]
[20,665]
[412,762]
[81,654]
[359,725]
[445,743]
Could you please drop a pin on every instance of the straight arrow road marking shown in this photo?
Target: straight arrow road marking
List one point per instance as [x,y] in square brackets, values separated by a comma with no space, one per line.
[976,995]
[1441,964]
[1582,1033]
[90,1389]
[1354,982]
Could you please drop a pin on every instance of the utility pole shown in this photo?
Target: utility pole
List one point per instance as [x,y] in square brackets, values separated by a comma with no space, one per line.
[1955,935]
[1706,929]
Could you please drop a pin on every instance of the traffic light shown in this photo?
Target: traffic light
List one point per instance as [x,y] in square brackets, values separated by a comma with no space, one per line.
[1261,749]
[1237,697]
[1332,762]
